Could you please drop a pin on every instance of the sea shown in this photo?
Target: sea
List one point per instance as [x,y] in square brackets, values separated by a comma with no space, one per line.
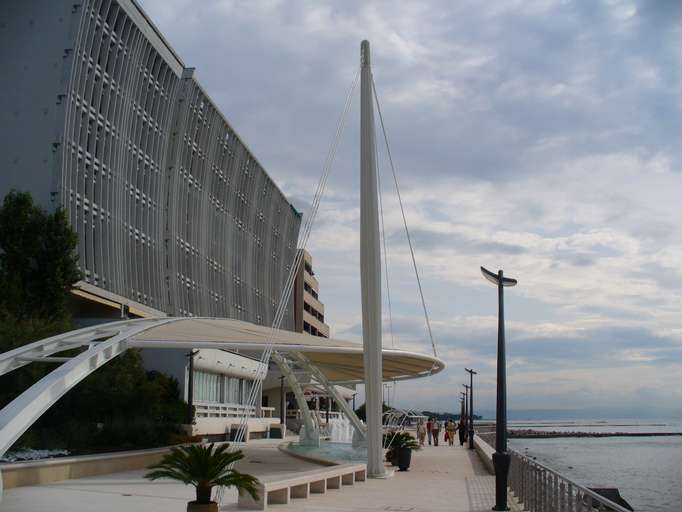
[646,470]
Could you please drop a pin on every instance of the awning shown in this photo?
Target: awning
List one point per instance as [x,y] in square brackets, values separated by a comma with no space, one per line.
[341,361]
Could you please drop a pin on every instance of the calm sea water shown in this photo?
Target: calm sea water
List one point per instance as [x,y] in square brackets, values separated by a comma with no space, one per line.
[646,470]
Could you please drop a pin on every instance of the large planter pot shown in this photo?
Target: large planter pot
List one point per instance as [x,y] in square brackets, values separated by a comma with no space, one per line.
[404,458]
[193,506]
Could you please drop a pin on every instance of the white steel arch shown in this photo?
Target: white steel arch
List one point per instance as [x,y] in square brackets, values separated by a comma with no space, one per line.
[17,416]
[104,342]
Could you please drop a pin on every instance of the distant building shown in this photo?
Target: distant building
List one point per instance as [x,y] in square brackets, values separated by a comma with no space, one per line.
[174,214]
[308,310]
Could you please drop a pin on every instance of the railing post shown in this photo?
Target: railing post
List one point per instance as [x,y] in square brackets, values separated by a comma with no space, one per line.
[562,493]
[534,493]
[571,501]
[545,490]
[579,501]
[536,487]
[524,481]
[541,490]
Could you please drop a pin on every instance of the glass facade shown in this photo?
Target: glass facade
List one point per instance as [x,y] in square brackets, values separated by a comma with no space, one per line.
[222,389]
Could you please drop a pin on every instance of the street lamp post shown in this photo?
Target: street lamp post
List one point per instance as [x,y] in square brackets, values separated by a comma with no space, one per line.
[501,459]
[466,409]
[471,407]
[190,388]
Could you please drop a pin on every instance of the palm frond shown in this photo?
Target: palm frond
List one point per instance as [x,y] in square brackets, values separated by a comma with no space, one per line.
[241,481]
[204,465]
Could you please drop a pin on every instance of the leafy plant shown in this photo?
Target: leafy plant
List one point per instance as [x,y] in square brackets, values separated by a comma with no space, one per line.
[38,259]
[204,467]
[395,440]
[121,405]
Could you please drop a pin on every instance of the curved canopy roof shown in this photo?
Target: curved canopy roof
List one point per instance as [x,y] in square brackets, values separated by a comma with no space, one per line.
[341,361]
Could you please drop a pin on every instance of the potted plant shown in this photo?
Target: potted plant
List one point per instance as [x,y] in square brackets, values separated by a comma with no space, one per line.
[204,467]
[400,446]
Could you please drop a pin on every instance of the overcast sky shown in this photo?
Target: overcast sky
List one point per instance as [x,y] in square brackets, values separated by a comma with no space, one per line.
[539,137]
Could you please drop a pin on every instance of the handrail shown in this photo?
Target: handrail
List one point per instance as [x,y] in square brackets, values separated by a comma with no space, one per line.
[542,489]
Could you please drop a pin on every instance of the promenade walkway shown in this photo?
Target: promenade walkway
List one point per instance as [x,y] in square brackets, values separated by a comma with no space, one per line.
[441,478]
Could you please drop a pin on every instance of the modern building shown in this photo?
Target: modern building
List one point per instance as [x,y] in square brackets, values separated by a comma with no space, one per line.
[308,310]
[174,214]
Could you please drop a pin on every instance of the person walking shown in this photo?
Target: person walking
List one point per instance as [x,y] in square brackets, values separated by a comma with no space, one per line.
[450,429]
[461,431]
[421,432]
[435,431]
[429,426]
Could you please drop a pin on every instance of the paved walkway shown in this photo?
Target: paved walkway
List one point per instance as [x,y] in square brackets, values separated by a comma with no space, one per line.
[130,492]
[441,478]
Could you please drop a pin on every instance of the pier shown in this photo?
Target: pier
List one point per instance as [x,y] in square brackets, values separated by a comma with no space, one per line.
[546,434]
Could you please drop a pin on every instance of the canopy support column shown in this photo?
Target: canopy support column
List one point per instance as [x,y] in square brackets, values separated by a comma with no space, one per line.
[370,272]
[360,434]
[311,433]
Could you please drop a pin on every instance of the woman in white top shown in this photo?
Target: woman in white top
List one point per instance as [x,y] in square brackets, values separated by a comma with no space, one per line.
[421,432]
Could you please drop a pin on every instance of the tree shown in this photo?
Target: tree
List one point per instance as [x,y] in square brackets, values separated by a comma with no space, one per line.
[38,267]
[38,260]
[118,406]
[361,413]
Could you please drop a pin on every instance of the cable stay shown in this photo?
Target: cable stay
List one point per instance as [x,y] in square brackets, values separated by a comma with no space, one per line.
[385,255]
[385,250]
[402,211]
[302,243]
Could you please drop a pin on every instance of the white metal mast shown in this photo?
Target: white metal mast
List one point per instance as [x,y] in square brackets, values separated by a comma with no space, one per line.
[370,271]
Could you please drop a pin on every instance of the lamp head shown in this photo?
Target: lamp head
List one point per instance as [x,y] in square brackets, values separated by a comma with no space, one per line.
[495,278]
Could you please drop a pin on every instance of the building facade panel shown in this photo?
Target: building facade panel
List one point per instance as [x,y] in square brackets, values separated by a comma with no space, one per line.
[118,114]
[172,210]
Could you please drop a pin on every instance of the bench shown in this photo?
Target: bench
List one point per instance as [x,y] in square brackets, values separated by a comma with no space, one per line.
[280,489]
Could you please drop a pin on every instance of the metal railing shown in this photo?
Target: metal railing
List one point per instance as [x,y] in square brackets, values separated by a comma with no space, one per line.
[333,415]
[541,489]
[217,410]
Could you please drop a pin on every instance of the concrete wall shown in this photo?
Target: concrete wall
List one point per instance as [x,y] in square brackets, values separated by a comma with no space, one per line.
[36,52]
[485,452]
[19,474]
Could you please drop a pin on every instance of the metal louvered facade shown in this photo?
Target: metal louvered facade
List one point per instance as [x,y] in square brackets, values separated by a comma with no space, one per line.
[172,210]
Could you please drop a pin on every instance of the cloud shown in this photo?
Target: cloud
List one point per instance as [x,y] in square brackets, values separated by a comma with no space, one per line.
[535,136]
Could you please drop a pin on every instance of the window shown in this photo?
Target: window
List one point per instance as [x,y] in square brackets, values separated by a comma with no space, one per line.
[217,388]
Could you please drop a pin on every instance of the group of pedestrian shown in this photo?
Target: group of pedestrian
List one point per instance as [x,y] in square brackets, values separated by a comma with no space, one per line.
[431,430]
[432,427]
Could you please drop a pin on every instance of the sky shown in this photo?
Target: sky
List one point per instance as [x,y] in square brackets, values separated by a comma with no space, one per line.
[539,137]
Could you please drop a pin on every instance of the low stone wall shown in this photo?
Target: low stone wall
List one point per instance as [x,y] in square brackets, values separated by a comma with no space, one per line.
[485,452]
[20,474]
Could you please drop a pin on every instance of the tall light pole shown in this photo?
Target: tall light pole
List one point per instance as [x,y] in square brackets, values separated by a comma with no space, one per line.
[466,408]
[501,458]
[462,418]
[471,407]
